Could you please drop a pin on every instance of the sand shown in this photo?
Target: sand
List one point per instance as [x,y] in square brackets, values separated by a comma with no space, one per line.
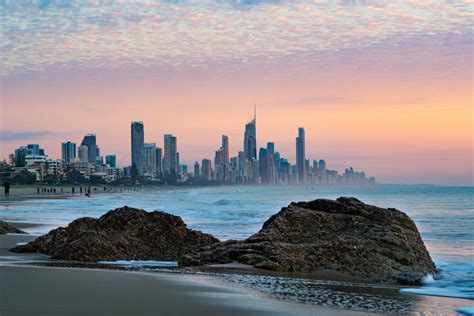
[29,192]
[30,289]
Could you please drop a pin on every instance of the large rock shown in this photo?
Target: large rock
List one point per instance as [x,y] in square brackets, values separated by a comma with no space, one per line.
[346,235]
[122,234]
[8,229]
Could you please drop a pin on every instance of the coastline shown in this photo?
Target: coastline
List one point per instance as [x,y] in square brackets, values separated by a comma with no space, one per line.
[84,291]
[230,289]
[29,192]
[282,288]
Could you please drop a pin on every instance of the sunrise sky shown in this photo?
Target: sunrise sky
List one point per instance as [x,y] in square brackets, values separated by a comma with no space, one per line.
[384,87]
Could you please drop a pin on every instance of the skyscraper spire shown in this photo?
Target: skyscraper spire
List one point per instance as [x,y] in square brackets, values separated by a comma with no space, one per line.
[255,111]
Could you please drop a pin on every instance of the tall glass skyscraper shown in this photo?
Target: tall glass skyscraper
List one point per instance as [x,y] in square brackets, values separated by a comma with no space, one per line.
[300,155]
[159,161]
[225,149]
[149,158]
[250,139]
[138,140]
[68,152]
[170,160]
[90,142]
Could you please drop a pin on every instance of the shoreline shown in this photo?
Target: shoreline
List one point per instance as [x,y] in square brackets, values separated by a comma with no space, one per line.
[229,289]
[126,292]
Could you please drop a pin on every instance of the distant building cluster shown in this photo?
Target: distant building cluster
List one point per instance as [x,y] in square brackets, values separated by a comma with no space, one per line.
[150,163]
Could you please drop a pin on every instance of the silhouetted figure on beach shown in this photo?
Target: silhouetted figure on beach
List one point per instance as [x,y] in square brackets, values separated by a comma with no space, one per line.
[73,189]
[88,192]
[37,190]
[54,190]
[80,190]
[6,185]
[61,190]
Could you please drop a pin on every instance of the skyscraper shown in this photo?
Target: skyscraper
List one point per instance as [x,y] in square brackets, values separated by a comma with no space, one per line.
[90,142]
[206,169]
[300,155]
[225,149]
[82,153]
[149,158]
[196,169]
[170,159]
[111,160]
[250,139]
[159,160]
[138,140]
[68,151]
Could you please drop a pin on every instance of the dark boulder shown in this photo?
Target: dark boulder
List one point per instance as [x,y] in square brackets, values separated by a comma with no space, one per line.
[8,229]
[122,234]
[346,235]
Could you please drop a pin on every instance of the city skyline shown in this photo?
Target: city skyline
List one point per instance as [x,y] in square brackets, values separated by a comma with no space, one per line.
[161,165]
[127,160]
[384,86]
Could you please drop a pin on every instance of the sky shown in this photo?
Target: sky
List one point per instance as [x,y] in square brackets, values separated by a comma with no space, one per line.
[382,86]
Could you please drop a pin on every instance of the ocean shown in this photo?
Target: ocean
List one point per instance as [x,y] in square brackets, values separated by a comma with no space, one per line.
[444,215]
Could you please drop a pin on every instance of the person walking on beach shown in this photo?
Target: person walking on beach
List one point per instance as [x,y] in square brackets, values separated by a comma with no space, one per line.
[6,185]
[37,190]
[73,189]
[80,190]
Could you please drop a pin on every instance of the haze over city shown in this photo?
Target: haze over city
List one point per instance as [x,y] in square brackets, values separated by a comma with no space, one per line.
[388,91]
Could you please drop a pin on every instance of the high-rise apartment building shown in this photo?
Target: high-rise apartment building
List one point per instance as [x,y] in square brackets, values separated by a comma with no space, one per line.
[196,169]
[149,159]
[90,142]
[206,169]
[68,152]
[82,153]
[225,149]
[170,159]
[250,139]
[300,155]
[138,140]
[159,161]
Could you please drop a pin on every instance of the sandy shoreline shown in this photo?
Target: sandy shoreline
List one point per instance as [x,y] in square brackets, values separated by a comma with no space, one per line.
[33,284]
[30,192]
[28,289]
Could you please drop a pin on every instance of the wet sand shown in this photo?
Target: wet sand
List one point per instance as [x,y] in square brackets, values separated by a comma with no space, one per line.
[31,289]
[29,192]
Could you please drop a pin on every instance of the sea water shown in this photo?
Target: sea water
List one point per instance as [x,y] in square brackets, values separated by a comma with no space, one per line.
[444,216]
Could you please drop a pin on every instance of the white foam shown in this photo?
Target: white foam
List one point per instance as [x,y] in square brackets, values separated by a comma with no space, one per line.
[428,280]
[26,235]
[140,264]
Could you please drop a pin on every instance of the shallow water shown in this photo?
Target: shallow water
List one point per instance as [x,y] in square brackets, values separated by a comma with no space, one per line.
[444,216]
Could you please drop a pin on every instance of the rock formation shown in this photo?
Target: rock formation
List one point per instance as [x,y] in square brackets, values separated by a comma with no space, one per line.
[346,235]
[8,229]
[122,234]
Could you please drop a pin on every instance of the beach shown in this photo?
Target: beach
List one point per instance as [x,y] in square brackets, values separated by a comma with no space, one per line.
[30,192]
[34,284]
[30,287]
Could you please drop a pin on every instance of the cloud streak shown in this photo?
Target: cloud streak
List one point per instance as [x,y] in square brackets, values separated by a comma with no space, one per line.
[24,135]
[37,35]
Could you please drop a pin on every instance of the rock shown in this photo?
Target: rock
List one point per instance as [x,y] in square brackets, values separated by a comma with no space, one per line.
[122,234]
[346,235]
[8,229]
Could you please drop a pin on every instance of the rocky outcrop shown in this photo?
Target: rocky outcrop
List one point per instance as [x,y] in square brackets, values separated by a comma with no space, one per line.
[122,234]
[8,229]
[346,235]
